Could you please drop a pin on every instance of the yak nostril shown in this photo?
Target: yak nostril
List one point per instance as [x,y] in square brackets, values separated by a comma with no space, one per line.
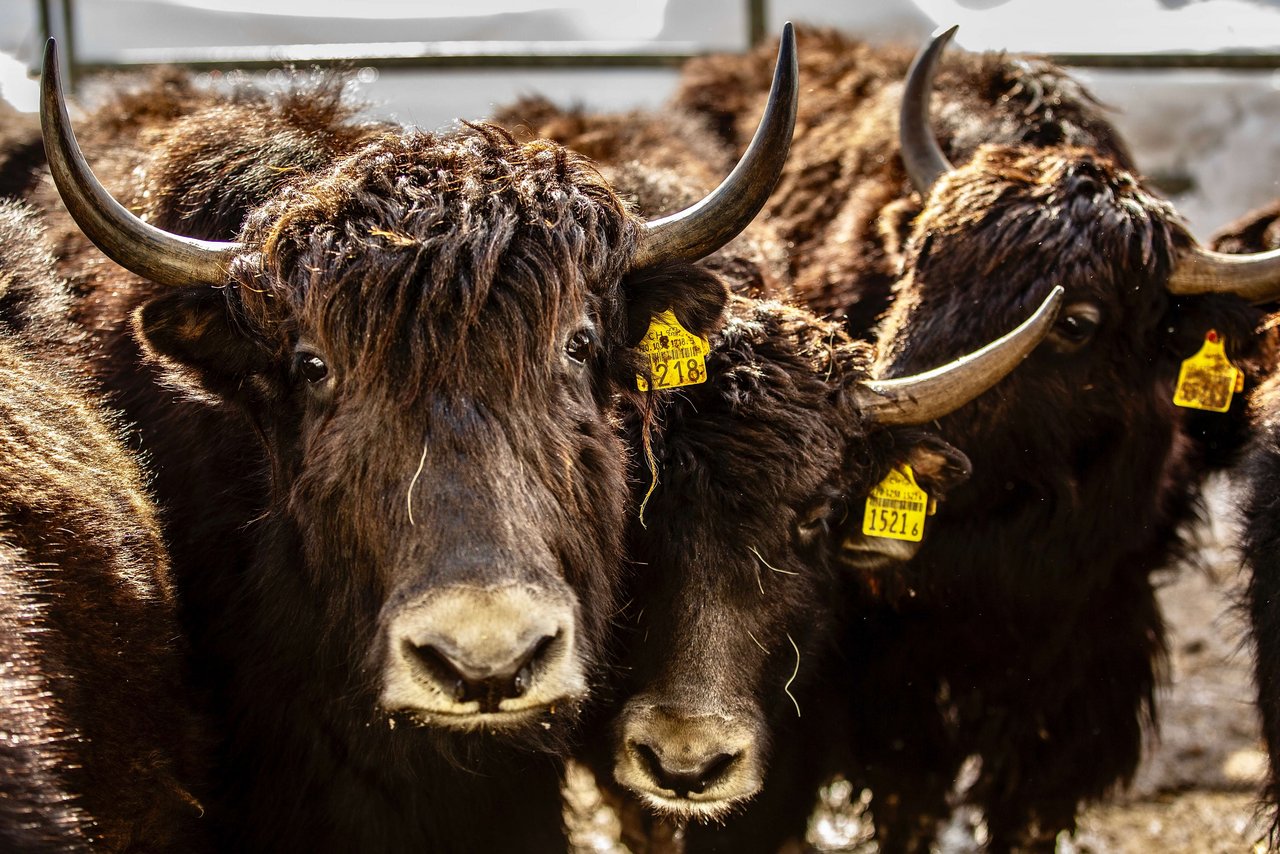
[716,769]
[693,778]
[521,683]
[440,669]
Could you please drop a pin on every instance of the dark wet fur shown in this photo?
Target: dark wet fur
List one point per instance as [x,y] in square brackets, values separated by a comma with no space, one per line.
[1259,231]
[1028,619]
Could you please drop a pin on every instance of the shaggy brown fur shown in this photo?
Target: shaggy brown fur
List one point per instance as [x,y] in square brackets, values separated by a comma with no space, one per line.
[441,278]
[100,750]
[661,162]
[844,202]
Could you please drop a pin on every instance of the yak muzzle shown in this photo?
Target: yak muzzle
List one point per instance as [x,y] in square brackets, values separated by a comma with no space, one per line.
[464,657]
[688,765]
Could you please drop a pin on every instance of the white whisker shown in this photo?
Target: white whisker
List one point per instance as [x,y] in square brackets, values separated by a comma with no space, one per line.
[794,674]
[766,563]
[408,499]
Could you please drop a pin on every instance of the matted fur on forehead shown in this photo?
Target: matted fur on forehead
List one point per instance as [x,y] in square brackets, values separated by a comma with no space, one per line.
[402,253]
[1061,216]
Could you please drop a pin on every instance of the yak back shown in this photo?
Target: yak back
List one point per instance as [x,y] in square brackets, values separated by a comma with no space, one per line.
[1256,231]
[844,201]
[21,150]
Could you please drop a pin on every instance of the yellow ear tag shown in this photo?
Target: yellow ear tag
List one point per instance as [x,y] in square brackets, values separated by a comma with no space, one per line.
[676,356]
[1208,379]
[896,507]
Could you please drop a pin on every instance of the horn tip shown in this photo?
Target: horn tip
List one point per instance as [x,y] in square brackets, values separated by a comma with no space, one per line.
[787,46]
[944,33]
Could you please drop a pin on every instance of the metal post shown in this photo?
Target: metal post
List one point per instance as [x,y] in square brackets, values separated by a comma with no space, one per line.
[757,22]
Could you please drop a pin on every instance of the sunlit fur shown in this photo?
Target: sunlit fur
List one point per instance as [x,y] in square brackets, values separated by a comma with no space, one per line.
[440,276]
[99,750]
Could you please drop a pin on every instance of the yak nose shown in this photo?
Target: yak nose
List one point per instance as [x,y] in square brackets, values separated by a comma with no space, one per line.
[686,772]
[710,759]
[486,672]
[467,650]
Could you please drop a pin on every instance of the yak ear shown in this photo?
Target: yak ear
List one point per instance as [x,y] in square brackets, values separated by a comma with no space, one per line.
[938,466]
[193,334]
[696,296]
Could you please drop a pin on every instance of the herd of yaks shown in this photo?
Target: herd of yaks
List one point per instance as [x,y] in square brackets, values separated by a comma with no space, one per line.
[373,473]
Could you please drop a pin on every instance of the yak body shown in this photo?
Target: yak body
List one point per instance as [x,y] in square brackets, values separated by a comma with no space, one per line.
[1024,632]
[402,398]
[101,750]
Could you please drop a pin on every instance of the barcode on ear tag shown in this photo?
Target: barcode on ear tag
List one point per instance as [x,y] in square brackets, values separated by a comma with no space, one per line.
[675,355]
[896,507]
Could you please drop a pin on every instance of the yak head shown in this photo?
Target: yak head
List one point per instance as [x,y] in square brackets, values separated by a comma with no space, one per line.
[757,476]
[995,234]
[429,334]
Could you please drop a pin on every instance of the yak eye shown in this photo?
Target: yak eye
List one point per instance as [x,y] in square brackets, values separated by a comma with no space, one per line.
[579,346]
[310,367]
[818,519]
[1076,326]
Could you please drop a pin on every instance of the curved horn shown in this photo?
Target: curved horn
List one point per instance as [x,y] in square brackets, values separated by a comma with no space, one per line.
[1254,277]
[699,230]
[932,394]
[921,153]
[168,259]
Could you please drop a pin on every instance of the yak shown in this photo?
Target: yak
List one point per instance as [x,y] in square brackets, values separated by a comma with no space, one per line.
[100,747]
[393,478]
[1027,620]
[745,488]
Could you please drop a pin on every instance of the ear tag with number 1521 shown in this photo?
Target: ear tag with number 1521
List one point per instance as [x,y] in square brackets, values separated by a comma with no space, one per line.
[1207,379]
[896,507]
[676,356]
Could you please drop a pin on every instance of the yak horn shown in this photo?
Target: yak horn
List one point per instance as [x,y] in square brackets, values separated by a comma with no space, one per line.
[168,259]
[921,153]
[924,397]
[1254,277]
[701,229]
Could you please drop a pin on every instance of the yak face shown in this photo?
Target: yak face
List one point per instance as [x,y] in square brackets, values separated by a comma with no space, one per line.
[995,235]
[759,472]
[428,336]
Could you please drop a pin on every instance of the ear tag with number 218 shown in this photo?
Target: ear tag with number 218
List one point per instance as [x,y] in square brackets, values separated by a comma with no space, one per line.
[676,356]
[896,507]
